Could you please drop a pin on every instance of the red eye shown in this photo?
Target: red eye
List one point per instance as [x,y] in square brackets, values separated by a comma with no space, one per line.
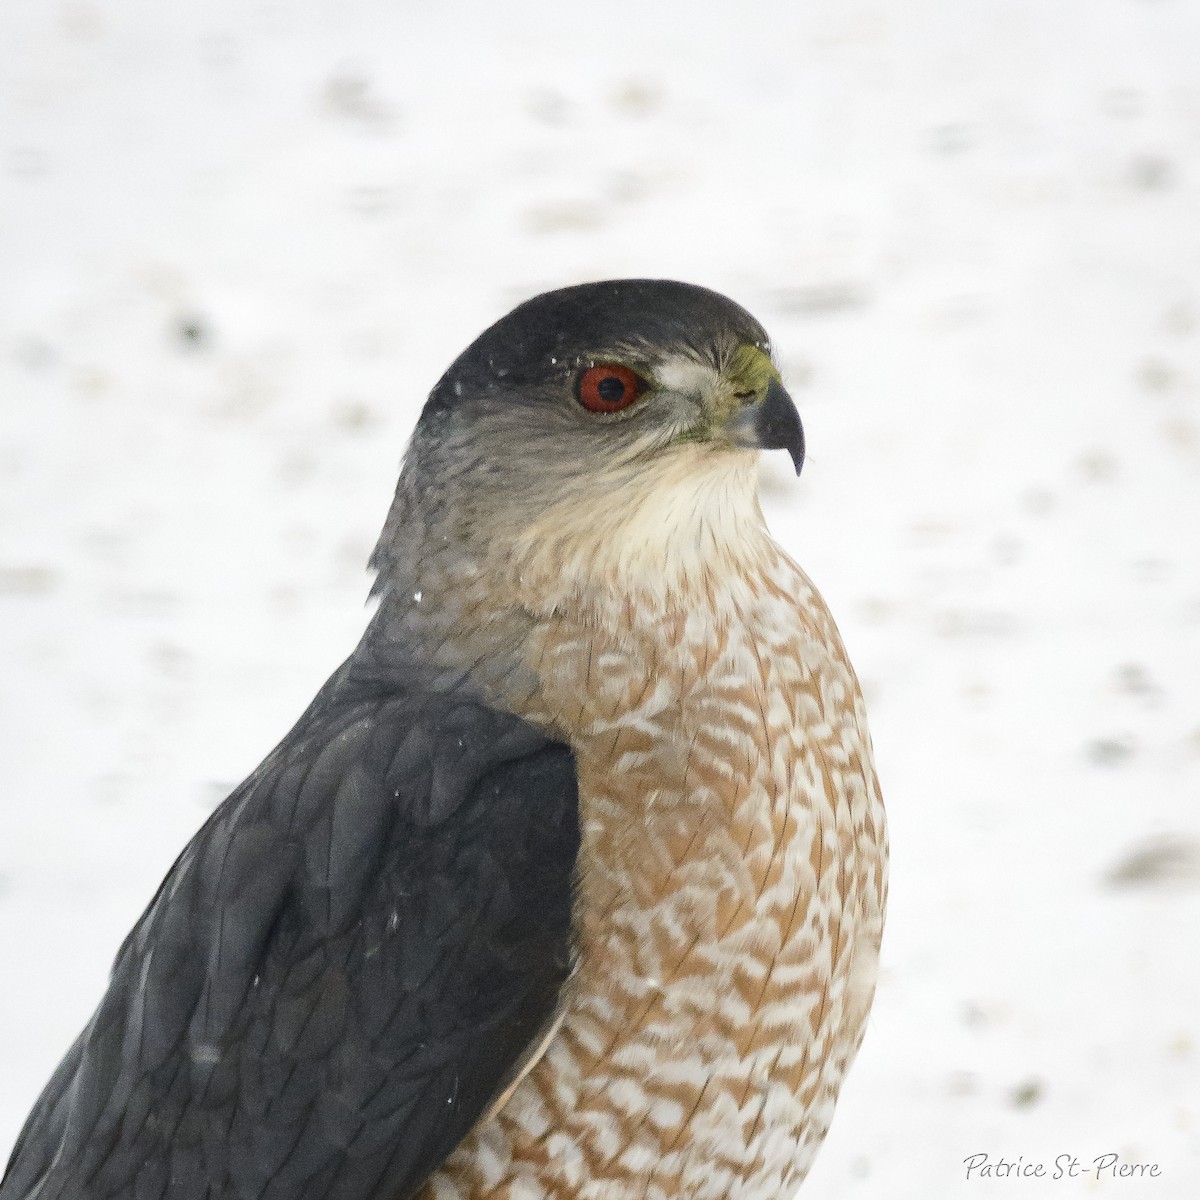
[609,388]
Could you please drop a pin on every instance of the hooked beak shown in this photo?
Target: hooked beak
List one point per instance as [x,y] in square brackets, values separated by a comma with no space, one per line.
[771,423]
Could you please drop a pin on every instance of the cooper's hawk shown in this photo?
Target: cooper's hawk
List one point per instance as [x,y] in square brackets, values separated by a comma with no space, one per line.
[570,881]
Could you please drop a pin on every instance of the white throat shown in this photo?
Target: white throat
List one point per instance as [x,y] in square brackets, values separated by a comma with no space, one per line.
[672,540]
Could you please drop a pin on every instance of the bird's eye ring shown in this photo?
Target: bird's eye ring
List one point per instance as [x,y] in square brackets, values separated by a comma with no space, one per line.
[609,387]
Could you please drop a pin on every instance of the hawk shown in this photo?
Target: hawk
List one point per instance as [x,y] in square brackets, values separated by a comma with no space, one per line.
[570,881]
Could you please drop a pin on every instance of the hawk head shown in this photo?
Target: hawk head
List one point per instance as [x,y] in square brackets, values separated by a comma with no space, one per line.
[599,440]
[603,375]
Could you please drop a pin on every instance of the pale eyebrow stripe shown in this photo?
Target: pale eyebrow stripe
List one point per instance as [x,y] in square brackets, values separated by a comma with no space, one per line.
[685,375]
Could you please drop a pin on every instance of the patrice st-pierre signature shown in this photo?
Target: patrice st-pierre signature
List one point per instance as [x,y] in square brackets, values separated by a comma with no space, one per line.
[1065,1166]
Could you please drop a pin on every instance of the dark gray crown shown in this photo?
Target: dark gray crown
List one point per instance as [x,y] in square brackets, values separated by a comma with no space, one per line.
[546,338]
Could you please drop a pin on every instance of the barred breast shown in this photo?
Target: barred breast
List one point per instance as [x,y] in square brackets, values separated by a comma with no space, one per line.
[731,894]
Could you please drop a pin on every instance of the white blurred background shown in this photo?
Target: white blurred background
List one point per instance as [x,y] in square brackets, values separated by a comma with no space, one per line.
[240,241]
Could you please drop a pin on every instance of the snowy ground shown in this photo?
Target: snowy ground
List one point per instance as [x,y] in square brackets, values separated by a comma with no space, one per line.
[238,243]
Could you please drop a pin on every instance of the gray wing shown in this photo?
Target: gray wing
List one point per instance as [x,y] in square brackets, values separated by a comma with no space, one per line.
[337,975]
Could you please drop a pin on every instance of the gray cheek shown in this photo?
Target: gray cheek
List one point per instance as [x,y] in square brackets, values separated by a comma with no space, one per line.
[688,407]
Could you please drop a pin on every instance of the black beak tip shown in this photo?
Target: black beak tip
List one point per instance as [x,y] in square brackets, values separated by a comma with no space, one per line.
[796,450]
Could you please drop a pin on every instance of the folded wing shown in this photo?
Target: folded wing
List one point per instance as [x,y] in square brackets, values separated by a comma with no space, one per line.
[338,975]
